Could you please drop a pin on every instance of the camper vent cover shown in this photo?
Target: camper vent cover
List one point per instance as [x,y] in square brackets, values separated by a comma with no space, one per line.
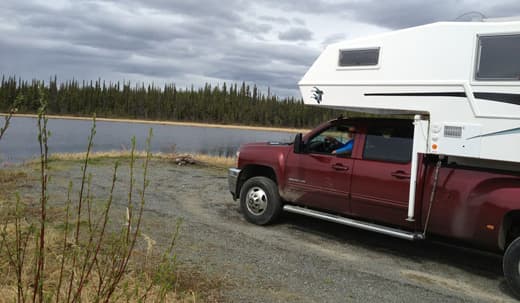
[452,131]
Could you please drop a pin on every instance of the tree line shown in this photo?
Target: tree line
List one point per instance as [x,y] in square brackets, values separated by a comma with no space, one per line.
[233,103]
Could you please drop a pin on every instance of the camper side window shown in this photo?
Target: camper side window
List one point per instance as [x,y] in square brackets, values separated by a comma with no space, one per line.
[498,58]
[358,57]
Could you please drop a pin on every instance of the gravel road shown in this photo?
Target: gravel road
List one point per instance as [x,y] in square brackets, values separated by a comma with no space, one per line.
[298,259]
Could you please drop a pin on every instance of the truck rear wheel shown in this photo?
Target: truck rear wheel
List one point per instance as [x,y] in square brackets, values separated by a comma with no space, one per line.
[511,266]
[259,200]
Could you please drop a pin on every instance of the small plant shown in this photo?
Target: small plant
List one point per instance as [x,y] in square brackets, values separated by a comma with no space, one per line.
[12,110]
[90,261]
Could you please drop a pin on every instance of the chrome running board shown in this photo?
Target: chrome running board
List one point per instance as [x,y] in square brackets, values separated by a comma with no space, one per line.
[354,223]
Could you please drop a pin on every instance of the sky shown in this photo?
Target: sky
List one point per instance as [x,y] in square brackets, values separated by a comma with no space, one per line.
[270,43]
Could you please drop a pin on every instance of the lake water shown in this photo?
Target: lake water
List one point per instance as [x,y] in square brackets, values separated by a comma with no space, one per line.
[68,136]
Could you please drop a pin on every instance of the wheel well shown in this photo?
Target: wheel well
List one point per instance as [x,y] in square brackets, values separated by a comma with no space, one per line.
[254,171]
[510,229]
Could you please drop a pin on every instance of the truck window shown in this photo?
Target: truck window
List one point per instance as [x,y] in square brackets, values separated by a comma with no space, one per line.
[330,139]
[388,144]
[498,58]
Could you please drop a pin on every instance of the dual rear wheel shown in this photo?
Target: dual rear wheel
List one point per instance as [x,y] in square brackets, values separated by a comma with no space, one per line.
[511,266]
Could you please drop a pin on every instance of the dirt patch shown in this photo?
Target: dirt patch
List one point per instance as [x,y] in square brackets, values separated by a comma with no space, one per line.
[11,180]
[453,284]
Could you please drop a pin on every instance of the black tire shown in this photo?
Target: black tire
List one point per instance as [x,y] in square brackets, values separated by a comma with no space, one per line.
[511,266]
[259,200]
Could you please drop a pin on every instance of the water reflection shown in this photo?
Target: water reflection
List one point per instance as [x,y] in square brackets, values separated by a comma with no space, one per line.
[68,136]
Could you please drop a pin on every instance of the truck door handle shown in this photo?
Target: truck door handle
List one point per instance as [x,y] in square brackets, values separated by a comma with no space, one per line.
[399,174]
[338,166]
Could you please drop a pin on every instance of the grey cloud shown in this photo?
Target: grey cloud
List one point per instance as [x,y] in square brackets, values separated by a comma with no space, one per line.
[151,69]
[182,41]
[333,39]
[264,76]
[278,20]
[299,21]
[84,40]
[217,15]
[266,65]
[69,63]
[106,31]
[399,13]
[256,28]
[91,19]
[404,13]
[195,8]
[42,63]
[510,8]
[268,53]
[296,34]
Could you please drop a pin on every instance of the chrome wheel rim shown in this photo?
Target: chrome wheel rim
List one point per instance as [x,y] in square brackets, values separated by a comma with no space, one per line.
[256,201]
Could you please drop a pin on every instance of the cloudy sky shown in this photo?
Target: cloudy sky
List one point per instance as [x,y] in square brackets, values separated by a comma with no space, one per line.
[270,42]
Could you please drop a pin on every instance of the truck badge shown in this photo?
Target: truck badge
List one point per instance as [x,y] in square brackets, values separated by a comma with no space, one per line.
[317,94]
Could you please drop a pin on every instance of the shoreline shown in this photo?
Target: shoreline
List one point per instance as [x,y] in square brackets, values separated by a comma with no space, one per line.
[172,123]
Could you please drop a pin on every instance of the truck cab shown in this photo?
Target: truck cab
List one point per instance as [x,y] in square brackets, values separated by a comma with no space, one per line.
[380,161]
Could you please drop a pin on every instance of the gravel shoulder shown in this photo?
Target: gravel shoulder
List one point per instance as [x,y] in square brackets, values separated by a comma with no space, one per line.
[298,259]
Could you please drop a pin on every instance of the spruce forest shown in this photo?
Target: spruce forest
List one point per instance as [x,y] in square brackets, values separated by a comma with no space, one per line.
[238,104]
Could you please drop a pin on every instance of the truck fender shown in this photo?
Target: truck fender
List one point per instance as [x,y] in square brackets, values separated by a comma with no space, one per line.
[498,204]
[254,170]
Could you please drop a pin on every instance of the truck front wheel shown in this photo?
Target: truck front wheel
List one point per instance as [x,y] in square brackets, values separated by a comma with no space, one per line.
[511,266]
[259,200]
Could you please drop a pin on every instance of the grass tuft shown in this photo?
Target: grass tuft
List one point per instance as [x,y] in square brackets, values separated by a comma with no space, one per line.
[204,159]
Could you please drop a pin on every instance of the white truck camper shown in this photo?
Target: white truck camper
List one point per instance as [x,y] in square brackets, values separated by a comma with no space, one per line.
[461,80]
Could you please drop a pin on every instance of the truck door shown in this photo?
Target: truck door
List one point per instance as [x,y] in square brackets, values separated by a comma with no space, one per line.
[381,177]
[317,177]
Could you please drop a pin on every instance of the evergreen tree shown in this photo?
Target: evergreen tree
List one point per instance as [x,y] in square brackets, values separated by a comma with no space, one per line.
[227,103]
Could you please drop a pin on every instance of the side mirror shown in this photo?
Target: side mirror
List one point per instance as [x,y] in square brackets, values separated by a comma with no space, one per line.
[298,144]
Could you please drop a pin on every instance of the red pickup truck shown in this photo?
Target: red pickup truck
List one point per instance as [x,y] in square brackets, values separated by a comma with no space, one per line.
[368,186]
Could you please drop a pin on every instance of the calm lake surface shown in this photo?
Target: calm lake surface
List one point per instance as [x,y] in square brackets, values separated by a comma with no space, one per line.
[68,136]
